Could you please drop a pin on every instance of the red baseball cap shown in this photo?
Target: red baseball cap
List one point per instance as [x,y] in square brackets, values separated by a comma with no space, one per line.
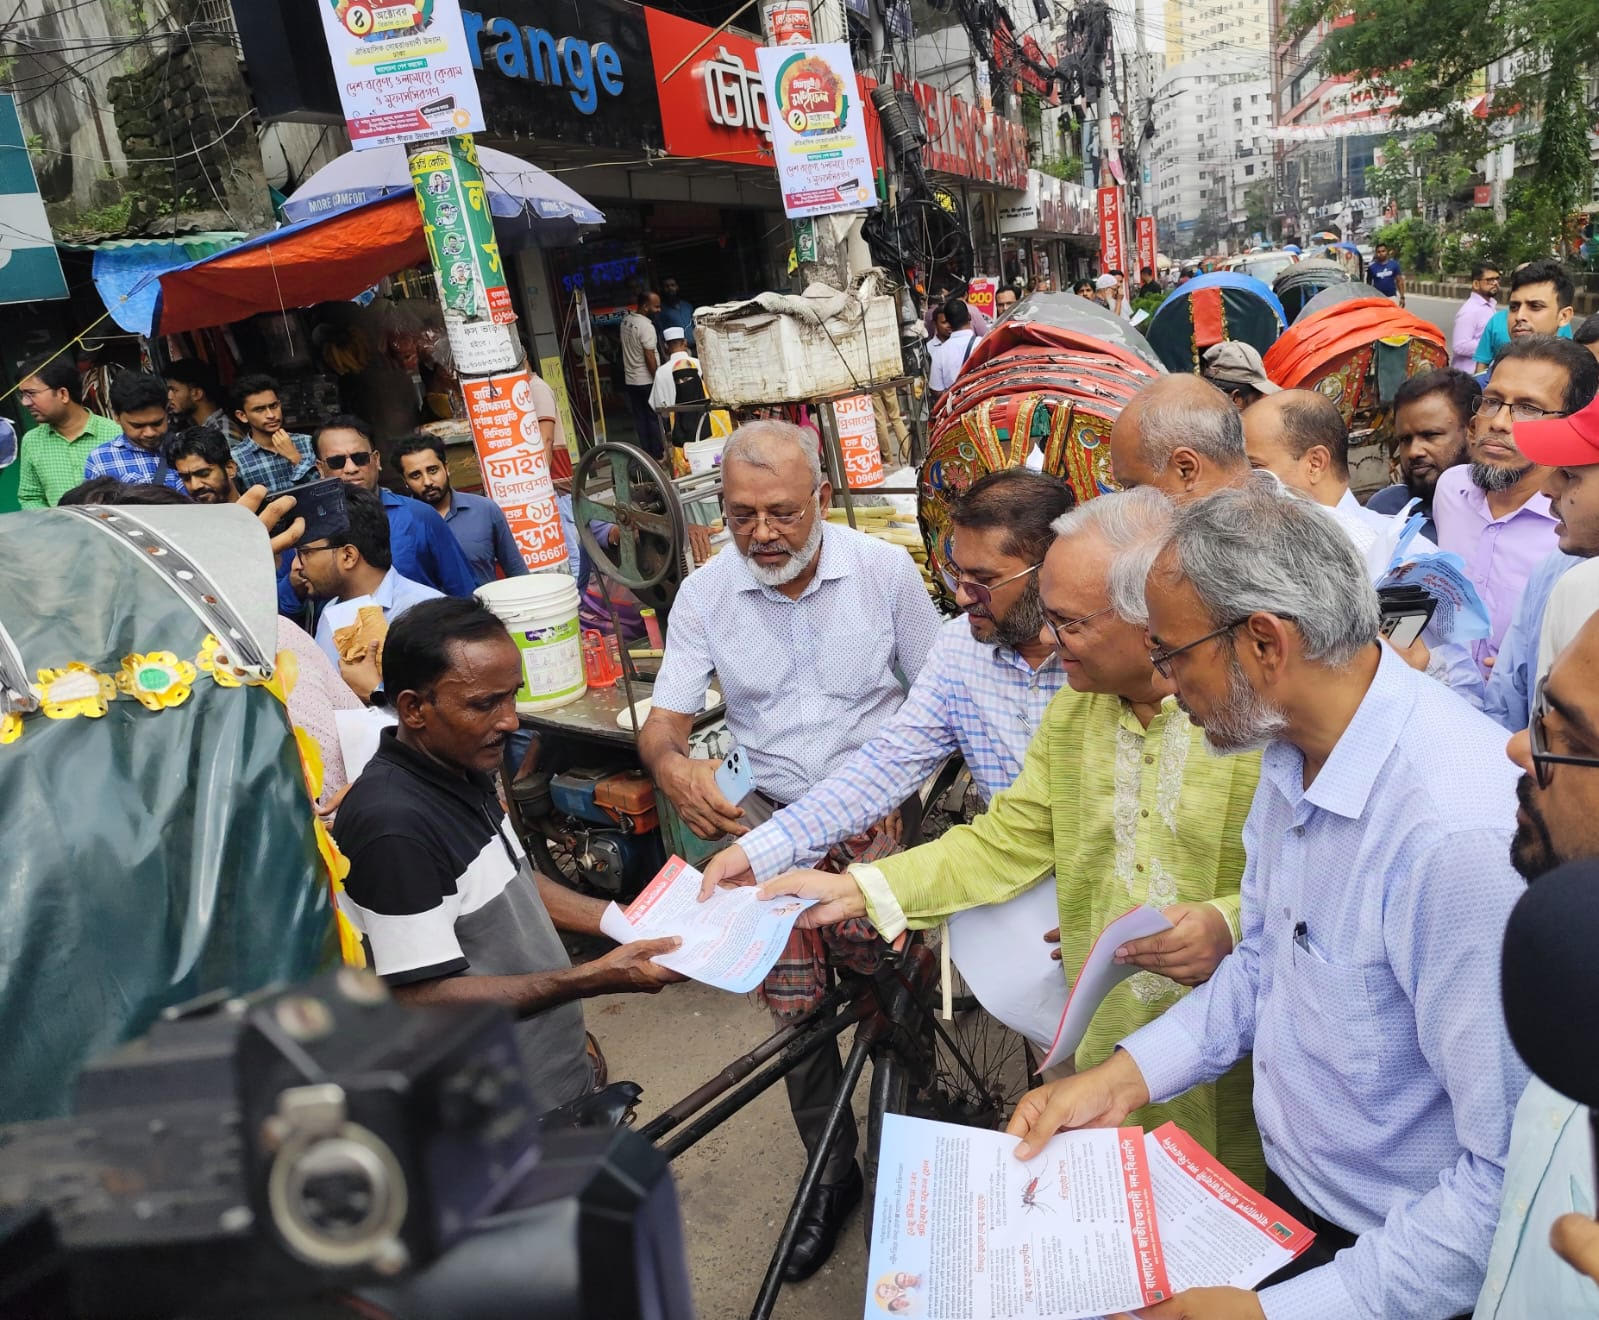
[1562,441]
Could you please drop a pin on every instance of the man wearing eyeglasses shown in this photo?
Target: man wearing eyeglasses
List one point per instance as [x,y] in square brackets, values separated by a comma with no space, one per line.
[423,546]
[1119,797]
[1491,511]
[1562,591]
[1374,900]
[1550,1173]
[983,692]
[808,630]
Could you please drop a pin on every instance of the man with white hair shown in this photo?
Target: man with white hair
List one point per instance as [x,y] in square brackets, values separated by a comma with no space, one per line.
[1118,797]
[1181,435]
[1375,895]
[813,633]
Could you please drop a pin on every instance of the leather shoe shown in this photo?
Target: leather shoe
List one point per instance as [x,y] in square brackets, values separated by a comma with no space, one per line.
[818,1227]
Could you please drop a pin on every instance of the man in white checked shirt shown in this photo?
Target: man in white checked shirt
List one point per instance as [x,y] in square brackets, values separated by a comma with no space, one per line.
[813,634]
[983,693]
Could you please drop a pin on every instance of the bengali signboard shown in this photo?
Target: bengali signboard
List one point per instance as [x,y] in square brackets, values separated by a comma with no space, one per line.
[403,70]
[1146,242]
[460,231]
[516,475]
[1111,255]
[824,164]
[857,442]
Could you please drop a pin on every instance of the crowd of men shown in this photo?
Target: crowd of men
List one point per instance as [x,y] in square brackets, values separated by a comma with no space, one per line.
[1175,694]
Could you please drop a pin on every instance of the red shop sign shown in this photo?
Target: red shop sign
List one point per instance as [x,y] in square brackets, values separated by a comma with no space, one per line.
[713,107]
[1110,230]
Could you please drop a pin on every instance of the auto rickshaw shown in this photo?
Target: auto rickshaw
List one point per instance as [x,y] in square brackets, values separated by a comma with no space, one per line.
[1208,310]
[1300,283]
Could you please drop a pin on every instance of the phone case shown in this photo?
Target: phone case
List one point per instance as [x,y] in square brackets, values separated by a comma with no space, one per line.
[734,777]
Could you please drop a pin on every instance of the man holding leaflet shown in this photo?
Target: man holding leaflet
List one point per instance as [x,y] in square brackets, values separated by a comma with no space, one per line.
[1375,898]
[983,692]
[1119,796]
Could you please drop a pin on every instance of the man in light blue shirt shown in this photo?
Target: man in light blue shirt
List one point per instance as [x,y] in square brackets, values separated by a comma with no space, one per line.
[1550,1169]
[1375,896]
[354,568]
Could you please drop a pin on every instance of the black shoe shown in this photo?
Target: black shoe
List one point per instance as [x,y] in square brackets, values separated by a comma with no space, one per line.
[818,1227]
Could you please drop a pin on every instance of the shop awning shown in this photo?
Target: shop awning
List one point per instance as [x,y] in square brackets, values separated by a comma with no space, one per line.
[127,271]
[328,259]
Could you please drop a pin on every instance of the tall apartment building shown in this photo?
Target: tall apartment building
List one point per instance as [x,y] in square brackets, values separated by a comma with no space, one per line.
[1236,30]
[1211,119]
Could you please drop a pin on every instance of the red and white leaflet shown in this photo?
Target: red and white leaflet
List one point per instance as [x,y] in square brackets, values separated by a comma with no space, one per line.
[1216,1229]
[965,1229]
[1100,974]
[730,941]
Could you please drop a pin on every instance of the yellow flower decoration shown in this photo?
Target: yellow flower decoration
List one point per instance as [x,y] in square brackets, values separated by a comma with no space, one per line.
[64,694]
[285,676]
[216,660]
[10,728]
[157,680]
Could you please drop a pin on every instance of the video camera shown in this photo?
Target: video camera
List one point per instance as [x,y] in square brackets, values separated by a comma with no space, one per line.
[266,1155]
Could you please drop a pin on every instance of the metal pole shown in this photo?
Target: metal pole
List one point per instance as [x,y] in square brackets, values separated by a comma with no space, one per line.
[471,282]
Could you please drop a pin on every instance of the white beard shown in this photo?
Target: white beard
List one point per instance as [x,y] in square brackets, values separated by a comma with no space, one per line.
[796,563]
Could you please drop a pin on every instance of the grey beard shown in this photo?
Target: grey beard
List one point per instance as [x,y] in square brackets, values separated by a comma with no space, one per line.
[1024,620]
[1243,722]
[1486,476]
[797,563]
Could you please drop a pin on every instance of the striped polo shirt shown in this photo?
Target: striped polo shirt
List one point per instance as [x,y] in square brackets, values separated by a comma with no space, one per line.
[439,886]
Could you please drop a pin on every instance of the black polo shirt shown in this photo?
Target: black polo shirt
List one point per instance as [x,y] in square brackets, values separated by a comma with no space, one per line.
[439,886]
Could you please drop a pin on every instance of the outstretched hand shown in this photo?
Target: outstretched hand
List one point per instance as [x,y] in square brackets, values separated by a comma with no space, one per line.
[271,515]
[838,897]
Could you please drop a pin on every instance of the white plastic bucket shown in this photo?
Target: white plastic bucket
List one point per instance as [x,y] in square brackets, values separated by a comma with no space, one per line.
[540,611]
[704,455]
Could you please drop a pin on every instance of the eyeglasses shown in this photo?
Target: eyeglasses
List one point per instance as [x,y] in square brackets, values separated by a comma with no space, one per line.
[303,550]
[1542,758]
[778,522]
[1162,659]
[337,461]
[1071,625]
[1487,406]
[982,597]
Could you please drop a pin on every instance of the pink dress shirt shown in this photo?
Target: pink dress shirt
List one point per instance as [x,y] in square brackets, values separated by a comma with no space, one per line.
[1500,553]
[1470,321]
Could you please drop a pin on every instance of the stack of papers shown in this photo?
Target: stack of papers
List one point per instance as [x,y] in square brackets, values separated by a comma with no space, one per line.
[1097,1222]
[1101,973]
[730,941]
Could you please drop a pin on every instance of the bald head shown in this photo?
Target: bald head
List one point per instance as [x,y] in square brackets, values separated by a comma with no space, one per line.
[1181,435]
[1300,436]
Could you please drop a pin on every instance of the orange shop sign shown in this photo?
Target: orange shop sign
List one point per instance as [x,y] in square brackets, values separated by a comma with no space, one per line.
[516,473]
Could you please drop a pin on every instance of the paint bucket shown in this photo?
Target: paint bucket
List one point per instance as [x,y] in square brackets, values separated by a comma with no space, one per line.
[704,455]
[540,612]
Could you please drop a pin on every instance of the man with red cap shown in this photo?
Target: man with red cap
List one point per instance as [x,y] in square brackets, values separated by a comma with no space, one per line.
[1568,448]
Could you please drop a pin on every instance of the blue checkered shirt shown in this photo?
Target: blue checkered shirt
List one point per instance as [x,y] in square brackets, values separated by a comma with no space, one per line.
[129,464]
[266,467]
[982,700]
[1366,985]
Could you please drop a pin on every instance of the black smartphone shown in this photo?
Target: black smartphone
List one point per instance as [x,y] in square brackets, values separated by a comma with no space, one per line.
[322,505]
[1405,614]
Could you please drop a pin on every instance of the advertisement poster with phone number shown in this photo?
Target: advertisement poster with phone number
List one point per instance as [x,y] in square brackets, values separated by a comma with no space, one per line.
[824,163]
[403,68]
[510,450]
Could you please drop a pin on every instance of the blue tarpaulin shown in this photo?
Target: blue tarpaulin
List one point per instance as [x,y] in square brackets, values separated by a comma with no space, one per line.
[127,272]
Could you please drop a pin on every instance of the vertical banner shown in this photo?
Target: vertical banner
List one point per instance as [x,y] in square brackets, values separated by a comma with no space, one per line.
[980,295]
[510,450]
[404,70]
[1146,242]
[857,442]
[460,232]
[30,267]
[824,162]
[1111,255]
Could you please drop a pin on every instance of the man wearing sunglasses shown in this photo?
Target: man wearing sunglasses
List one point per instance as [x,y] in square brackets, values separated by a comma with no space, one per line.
[423,547]
[983,692]
[1374,899]
[1492,511]
[1550,1170]
[1119,798]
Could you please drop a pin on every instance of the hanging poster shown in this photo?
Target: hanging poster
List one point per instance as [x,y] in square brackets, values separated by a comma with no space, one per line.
[1111,256]
[516,475]
[857,442]
[1146,243]
[404,70]
[824,162]
[460,231]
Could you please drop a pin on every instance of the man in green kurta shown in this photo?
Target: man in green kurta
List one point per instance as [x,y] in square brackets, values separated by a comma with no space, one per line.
[1119,797]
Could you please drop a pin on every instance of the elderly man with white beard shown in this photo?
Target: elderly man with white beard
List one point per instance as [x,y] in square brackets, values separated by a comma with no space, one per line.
[813,633]
[1375,892]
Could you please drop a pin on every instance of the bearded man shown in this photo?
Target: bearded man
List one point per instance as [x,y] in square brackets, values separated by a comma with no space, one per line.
[809,631]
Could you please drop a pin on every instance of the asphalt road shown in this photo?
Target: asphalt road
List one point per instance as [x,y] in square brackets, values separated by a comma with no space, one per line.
[1440,311]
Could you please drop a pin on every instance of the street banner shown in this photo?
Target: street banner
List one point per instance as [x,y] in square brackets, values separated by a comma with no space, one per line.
[30,268]
[857,442]
[824,162]
[460,231]
[403,69]
[516,476]
[1146,242]
[789,22]
[1111,254]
